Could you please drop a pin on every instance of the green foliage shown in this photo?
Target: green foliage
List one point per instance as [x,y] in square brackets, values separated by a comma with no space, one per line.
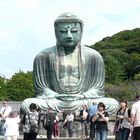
[125,90]
[2,88]
[20,86]
[121,54]
[113,70]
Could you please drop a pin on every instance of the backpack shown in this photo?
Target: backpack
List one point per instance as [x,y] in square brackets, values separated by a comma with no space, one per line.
[47,121]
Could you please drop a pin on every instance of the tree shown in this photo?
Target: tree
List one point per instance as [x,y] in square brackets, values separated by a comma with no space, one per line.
[113,70]
[2,87]
[124,48]
[20,86]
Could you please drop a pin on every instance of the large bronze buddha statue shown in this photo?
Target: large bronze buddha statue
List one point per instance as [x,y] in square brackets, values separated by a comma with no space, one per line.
[68,74]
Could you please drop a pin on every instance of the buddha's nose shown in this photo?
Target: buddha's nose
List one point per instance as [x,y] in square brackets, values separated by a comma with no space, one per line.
[69,34]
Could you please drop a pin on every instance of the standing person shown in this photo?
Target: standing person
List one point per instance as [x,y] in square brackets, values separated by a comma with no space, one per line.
[92,111]
[48,123]
[31,119]
[135,118]
[69,120]
[123,121]
[84,121]
[101,119]
[55,127]
[12,126]
[4,113]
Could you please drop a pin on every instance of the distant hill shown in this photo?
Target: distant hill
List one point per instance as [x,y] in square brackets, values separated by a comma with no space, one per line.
[121,53]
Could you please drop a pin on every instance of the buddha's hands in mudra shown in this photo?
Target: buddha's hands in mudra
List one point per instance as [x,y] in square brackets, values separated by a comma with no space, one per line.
[69,97]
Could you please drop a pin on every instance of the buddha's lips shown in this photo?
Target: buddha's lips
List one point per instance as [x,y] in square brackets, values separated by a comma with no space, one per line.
[68,40]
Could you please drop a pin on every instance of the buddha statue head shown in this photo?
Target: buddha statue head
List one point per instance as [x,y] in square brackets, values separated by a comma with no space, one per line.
[68,31]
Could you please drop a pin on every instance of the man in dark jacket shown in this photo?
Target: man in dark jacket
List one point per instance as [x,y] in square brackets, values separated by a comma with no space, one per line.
[50,116]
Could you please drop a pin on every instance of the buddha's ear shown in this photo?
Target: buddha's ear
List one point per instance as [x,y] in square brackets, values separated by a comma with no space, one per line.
[56,37]
[81,33]
[81,36]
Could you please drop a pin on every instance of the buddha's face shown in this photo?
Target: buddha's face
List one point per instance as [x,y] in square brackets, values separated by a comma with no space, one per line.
[68,34]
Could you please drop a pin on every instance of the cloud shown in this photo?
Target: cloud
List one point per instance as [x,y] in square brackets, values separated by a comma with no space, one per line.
[28,4]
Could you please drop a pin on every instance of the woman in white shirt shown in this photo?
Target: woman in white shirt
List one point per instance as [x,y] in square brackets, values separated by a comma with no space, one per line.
[12,126]
[69,120]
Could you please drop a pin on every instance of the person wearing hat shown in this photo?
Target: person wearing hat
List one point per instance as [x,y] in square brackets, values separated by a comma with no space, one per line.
[135,118]
[12,126]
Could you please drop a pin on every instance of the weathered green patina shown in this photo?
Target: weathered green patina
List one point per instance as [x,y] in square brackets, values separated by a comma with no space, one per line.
[68,74]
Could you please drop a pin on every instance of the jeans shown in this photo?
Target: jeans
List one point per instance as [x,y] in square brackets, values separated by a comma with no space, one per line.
[101,134]
[2,130]
[49,132]
[92,130]
[70,128]
[84,128]
[124,133]
[136,133]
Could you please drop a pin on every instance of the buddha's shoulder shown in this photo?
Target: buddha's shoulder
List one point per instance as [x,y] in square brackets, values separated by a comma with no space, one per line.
[46,52]
[91,51]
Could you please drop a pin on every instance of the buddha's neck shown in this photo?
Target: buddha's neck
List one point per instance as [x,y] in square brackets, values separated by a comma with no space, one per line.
[67,50]
[70,57]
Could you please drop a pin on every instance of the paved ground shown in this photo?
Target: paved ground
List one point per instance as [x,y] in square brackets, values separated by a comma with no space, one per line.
[43,137]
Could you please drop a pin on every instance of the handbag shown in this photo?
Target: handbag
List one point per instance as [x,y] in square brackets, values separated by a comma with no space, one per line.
[116,127]
[33,127]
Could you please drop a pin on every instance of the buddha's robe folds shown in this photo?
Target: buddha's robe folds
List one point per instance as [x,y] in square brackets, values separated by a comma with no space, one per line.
[66,81]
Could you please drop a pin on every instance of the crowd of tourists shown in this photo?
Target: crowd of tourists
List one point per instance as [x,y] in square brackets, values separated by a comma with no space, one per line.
[95,117]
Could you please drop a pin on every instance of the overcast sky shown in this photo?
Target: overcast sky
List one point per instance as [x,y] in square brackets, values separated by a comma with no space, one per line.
[26,26]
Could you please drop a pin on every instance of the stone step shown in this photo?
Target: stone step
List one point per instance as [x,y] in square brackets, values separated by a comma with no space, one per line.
[72,138]
[43,137]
